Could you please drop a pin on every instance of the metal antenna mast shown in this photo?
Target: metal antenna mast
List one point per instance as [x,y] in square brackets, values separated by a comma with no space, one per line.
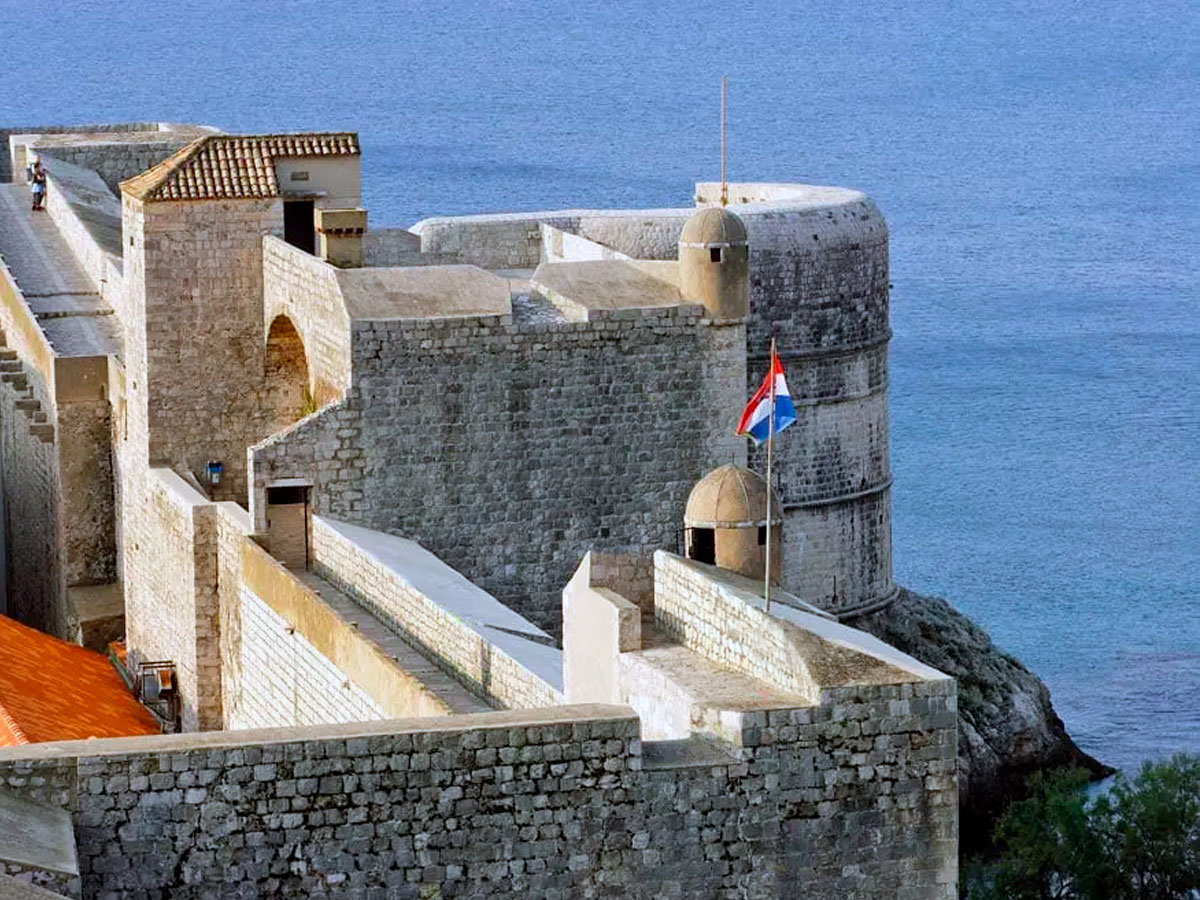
[724,141]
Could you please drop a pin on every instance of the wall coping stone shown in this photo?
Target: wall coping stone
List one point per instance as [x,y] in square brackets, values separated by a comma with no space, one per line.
[218,740]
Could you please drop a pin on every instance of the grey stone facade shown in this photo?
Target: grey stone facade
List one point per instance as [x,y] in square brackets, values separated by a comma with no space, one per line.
[553,804]
[505,427]
[819,285]
[467,434]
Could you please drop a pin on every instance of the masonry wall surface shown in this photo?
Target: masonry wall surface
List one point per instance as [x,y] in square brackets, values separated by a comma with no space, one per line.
[116,161]
[233,528]
[305,289]
[819,284]
[555,439]
[35,579]
[10,163]
[288,681]
[456,644]
[88,535]
[171,603]
[855,798]
[32,490]
[202,331]
[304,661]
[391,247]
[88,217]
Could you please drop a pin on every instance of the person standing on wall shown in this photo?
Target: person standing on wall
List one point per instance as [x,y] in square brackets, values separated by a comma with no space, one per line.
[36,175]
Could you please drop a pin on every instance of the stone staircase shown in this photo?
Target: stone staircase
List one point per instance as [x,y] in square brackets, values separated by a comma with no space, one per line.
[14,375]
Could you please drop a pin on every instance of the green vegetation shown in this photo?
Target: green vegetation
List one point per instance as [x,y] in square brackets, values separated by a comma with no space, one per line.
[308,404]
[1138,841]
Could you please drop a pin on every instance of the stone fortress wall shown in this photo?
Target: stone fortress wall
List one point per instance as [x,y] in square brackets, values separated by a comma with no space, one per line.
[305,290]
[113,152]
[819,284]
[30,474]
[553,802]
[586,434]
[13,160]
[836,783]
[461,440]
[201,322]
[61,360]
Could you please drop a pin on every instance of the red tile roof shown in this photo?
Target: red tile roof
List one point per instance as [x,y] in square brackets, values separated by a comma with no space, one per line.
[51,690]
[228,166]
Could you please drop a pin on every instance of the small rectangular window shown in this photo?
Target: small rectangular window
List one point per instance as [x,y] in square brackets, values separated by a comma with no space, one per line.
[714,253]
[762,535]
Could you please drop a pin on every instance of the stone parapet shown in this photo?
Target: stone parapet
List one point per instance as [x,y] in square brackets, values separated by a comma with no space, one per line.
[557,438]
[496,653]
[853,798]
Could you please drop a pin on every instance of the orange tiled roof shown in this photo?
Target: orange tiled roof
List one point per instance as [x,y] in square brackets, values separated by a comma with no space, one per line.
[228,166]
[51,690]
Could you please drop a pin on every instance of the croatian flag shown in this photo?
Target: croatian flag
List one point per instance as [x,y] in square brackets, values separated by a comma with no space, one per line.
[755,422]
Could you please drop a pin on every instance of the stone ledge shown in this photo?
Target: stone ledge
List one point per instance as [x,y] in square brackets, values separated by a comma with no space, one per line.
[218,740]
[36,837]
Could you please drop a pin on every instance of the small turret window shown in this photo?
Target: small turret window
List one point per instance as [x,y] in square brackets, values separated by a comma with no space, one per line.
[703,545]
[714,254]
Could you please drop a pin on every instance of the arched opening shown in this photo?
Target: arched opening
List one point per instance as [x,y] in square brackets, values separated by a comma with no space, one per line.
[288,396]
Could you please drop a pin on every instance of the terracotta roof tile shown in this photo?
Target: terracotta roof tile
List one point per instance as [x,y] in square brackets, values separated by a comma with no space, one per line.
[228,166]
[51,690]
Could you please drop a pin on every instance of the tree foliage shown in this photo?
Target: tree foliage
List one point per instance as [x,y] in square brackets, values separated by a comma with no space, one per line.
[1140,840]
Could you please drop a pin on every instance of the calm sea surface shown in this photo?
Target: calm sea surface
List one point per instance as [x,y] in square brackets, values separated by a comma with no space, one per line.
[1037,163]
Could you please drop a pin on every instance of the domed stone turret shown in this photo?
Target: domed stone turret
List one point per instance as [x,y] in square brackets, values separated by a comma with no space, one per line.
[714,262]
[726,522]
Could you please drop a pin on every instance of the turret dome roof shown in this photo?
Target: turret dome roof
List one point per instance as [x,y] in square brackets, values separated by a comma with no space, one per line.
[730,497]
[713,225]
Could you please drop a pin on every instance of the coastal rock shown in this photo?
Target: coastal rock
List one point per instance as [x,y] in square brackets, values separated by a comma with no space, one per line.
[1008,728]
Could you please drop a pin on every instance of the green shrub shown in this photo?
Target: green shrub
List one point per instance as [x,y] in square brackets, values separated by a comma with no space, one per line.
[1140,840]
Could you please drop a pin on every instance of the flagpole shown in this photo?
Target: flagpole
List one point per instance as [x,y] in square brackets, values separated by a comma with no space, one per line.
[724,144]
[770,453]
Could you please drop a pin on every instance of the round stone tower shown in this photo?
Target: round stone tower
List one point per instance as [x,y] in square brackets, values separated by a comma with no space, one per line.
[714,262]
[726,522]
[819,286]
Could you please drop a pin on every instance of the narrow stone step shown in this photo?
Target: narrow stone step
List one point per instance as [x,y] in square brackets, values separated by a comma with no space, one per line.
[44,433]
[17,379]
[11,365]
[8,354]
[40,417]
[29,404]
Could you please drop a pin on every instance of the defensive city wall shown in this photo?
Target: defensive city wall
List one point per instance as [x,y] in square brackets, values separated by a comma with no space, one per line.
[819,285]
[835,778]
[446,541]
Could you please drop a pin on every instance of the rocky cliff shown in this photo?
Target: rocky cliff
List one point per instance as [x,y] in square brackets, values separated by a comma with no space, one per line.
[1007,726]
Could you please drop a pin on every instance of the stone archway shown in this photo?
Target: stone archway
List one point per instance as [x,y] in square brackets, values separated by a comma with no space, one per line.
[288,392]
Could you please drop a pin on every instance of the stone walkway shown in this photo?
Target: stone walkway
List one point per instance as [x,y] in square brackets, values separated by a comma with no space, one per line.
[72,315]
[36,253]
[413,661]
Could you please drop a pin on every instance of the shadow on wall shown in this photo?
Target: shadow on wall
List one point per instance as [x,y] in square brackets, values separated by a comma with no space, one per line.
[288,394]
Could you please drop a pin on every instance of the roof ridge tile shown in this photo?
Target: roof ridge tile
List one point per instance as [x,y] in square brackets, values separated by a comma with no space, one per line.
[220,166]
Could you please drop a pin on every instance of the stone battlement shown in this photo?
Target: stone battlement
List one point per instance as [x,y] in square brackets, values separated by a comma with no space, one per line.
[386,501]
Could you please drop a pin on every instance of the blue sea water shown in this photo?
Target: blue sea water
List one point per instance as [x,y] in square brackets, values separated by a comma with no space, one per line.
[1038,165]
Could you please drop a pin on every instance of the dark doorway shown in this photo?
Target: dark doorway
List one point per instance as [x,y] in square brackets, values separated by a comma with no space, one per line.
[287,525]
[298,227]
[702,545]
